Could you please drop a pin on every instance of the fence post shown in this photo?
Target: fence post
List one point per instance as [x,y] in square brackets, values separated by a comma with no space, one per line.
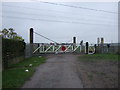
[95,47]
[38,47]
[87,44]
[31,41]
[74,42]
[102,45]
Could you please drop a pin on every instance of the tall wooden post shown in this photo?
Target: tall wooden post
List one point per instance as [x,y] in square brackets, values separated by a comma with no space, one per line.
[102,45]
[95,46]
[38,47]
[31,42]
[98,45]
[87,49]
[74,42]
[31,35]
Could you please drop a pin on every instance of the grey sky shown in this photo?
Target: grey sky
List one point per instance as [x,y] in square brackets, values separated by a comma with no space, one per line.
[90,24]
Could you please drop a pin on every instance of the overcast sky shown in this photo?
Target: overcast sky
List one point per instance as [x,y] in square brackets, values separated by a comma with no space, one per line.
[61,23]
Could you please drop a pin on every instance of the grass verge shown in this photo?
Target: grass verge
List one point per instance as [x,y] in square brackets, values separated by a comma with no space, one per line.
[95,57]
[15,76]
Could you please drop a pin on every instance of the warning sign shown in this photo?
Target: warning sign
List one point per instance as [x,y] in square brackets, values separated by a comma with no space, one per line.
[63,48]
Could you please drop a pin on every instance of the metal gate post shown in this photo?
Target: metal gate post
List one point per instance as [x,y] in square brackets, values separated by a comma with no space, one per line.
[87,49]
[74,42]
[95,47]
[38,47]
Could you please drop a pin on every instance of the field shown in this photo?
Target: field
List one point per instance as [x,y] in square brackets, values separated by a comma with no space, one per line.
[98,70]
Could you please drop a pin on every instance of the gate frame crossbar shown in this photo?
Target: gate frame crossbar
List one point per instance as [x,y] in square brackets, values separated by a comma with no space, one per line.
[54,50]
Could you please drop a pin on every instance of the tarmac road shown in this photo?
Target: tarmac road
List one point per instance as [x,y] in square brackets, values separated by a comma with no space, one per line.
[59,71]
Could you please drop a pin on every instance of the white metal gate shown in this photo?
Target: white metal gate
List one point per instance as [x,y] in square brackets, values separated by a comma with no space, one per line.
[57,48]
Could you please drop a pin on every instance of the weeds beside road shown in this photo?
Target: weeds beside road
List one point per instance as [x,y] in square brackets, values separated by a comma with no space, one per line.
[96,57]
[15,75]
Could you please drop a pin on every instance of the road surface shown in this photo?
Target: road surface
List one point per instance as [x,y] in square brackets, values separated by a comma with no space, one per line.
[59,71]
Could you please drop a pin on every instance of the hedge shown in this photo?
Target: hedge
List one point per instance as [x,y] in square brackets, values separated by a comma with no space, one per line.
[11,49]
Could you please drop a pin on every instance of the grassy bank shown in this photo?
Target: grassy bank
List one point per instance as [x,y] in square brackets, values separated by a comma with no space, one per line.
[94,57]
[15,76]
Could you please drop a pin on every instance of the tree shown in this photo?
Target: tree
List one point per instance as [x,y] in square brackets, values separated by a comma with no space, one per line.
[4,33]
[14,34]
[10,34]
[18,38]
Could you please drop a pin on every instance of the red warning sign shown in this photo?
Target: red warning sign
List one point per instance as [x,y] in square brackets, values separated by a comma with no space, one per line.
[63,48]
